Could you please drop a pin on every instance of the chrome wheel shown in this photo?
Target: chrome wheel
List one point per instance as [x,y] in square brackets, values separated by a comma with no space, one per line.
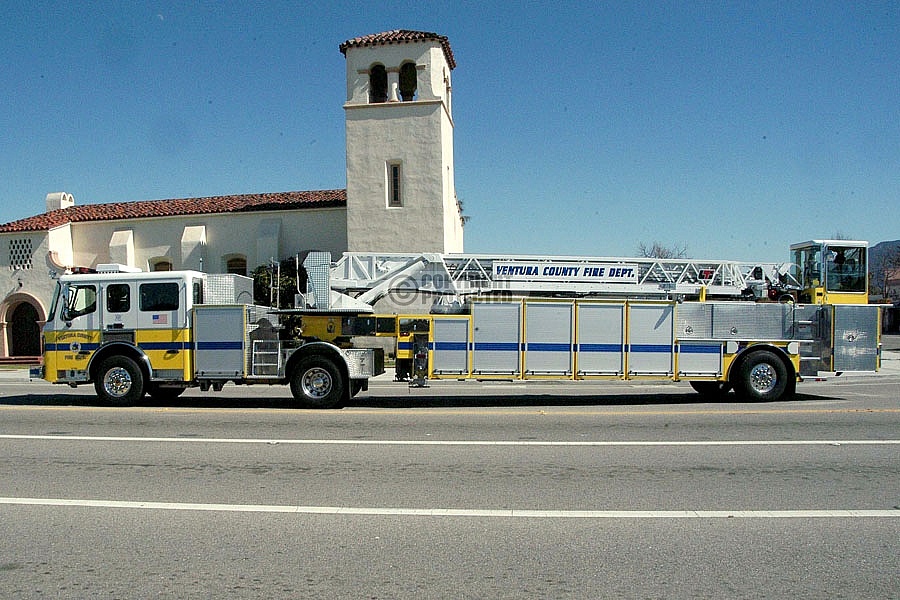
[763,378]
[317,383]
[117,382]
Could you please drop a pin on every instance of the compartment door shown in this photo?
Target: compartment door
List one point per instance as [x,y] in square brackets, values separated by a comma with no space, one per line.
[220,336]
[496,332]
[650,339]
[450,346]
[855,338]
[600,338]
[548,338]
[699,358]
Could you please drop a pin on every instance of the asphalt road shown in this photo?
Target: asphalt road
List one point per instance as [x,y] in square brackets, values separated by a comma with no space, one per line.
[461,490]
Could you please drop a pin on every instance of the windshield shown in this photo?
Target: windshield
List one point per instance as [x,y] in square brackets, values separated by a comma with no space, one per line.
[845,269]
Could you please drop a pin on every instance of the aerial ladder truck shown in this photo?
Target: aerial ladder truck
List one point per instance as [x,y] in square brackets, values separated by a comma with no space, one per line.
[720,325]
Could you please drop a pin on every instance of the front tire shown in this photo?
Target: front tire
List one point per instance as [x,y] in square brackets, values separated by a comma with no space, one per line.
[762,377]
[119,381]
[316,382]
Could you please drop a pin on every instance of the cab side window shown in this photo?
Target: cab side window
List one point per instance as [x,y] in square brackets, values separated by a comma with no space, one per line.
[118,298]
[159,296]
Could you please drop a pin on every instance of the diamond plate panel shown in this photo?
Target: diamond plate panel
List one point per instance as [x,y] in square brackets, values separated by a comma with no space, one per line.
[855,338]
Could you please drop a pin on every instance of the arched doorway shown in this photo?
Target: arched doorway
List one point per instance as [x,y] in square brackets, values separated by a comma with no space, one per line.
[24,331]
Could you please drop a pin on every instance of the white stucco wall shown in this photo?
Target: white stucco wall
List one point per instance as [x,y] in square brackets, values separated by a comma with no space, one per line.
[376,137]
[36,281]
[226,235]
[453,227]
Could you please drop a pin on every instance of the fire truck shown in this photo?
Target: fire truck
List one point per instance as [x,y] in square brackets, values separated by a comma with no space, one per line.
[754,328]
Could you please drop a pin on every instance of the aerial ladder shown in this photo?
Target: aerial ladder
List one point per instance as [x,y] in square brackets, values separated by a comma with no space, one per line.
[369,276]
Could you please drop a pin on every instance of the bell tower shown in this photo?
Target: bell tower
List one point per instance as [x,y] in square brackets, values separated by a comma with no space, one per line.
[401,195]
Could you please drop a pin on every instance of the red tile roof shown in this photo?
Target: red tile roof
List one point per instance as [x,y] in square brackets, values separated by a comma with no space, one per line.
[401,36]
[185,206]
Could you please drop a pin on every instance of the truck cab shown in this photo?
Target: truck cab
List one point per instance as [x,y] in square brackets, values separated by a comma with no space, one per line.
[132,333]
[97,314]
[831,271]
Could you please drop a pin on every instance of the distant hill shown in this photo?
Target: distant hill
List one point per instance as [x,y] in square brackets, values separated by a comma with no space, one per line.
[879,254]
[880,251]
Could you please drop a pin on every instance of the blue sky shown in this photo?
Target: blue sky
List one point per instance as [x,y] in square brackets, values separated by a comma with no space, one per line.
[731,128]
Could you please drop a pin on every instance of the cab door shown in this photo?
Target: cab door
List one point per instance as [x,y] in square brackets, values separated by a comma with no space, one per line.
[118,312]
[76,336]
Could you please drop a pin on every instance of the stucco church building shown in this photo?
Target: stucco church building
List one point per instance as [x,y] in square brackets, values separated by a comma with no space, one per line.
[400,197]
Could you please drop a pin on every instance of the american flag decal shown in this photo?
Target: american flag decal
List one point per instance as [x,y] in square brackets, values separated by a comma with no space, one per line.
[160,319]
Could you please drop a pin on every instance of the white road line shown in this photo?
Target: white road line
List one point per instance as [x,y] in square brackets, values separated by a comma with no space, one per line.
[457,512]
[347,442]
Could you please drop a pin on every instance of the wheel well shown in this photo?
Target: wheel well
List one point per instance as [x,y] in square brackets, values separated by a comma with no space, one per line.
[117,349]
[751,350]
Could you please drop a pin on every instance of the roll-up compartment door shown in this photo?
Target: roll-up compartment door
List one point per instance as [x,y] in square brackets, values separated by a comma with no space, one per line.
[650,338]
[496,335]
[450,347]
[548,337]
[600,337]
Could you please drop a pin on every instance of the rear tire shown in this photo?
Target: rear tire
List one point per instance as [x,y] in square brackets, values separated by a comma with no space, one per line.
[762,377]
[119,381]
[316,382]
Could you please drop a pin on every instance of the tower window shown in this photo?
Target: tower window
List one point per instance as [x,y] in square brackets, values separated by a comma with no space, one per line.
[395,197]
[378,84]
[408,81]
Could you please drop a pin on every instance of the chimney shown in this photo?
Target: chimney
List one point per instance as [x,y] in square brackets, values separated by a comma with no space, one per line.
[59,200]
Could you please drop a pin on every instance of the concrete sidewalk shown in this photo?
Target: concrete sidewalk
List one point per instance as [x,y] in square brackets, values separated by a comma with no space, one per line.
[890,341]
[890,361]
[15,374]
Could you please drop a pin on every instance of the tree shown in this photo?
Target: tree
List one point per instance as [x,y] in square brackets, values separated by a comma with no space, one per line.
[884,266]
[463,219]
[658,250]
